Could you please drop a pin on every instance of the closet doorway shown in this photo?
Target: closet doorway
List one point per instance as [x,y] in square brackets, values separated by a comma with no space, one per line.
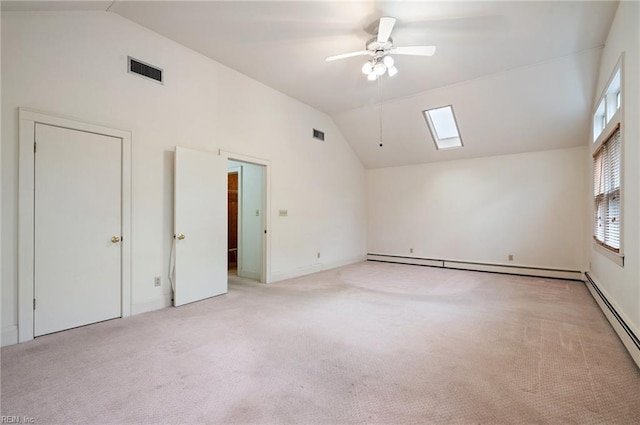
[232,218]
[246,220]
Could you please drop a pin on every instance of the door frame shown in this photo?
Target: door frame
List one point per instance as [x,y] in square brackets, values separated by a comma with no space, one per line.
[265,275]
[26,210]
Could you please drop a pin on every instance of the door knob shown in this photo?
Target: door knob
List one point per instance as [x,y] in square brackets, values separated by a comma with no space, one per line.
[181,236]
[115,239]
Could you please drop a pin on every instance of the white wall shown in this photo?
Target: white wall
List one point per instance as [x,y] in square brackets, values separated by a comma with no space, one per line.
[11,333]
[481,210]
[74,64]
[250,223]
[622,284]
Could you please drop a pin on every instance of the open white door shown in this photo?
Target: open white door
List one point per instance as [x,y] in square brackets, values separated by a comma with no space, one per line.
[200,225]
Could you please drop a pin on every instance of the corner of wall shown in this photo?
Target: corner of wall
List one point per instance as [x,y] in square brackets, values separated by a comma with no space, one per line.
[9,336]
[151,305]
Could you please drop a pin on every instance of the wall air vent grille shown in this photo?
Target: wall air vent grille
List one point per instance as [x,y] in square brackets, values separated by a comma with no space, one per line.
[317,134]
[145,70]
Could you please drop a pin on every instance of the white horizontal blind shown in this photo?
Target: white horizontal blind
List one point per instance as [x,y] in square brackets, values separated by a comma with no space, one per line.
[606,191]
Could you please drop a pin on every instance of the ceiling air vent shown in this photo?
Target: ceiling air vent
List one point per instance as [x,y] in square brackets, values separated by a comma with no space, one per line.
[145,70]
[317,134]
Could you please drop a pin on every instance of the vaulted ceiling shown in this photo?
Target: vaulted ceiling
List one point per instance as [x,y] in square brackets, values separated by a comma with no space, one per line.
[520,75]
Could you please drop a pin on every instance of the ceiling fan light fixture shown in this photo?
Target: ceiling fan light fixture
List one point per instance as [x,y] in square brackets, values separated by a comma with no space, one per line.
[379,68]
[380,48]
[367,68]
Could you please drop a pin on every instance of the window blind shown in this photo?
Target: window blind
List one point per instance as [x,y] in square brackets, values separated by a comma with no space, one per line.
[606,191]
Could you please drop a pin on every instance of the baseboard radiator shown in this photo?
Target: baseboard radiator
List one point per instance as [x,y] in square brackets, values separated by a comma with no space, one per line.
[628,337]
[480,267]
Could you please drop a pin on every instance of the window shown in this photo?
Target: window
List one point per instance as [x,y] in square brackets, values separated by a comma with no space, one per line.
[609,104]
[606,192]
[443,127]
[607,168]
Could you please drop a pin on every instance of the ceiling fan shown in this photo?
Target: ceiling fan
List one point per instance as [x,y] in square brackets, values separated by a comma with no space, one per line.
[380,47]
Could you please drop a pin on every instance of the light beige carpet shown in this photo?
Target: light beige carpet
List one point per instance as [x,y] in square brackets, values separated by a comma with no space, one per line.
[367,343]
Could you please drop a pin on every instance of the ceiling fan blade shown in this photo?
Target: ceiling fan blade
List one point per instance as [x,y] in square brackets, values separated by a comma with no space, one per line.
[384,28]
[348,55]
[414,50]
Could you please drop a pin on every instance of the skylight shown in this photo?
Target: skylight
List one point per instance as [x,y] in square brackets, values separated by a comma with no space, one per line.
[443,127]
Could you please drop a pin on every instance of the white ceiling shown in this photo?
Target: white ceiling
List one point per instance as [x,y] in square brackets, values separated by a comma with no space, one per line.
[283,44]
[479,44]
[540,107]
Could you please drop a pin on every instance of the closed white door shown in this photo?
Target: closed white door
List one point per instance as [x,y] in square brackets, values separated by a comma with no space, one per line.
[200,214]
[78,179]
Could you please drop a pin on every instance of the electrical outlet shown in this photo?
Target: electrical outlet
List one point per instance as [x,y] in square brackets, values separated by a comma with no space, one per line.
[157,281]
[257,213]
[510,257]
[318,255]
[411,250]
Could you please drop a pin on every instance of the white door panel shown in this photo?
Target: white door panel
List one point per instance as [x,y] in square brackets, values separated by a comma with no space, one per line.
[200,216]
[77,212]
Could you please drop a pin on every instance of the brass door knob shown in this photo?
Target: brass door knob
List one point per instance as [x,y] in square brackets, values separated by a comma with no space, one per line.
[181,236]
[115,239]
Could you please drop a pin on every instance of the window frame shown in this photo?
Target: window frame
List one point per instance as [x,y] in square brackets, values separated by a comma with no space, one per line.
[599,137]
[604,153]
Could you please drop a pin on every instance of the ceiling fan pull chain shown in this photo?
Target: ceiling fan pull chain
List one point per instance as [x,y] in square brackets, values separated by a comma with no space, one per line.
[380,108]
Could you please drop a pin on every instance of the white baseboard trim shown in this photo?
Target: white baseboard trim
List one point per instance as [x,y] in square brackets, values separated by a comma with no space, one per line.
[151,305]
[9,336]
[480,267]
[628,334]
[290,274]
[345,262]
[415,261]
[314,268]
